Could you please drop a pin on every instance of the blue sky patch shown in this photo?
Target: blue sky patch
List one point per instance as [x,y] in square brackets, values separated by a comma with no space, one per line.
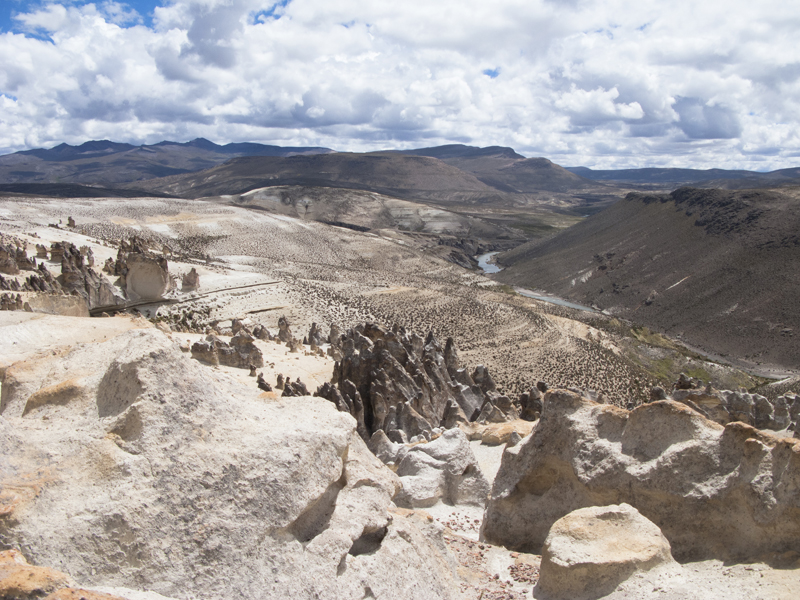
[274,12]
[9,8]
[492,73]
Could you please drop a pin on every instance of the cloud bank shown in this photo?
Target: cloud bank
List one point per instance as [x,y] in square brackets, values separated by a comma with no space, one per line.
[603,83]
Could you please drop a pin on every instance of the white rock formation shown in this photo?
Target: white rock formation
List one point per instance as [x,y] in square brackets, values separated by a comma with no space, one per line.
[128,465]
[147,277]
[589,552]
[442,470]
[729,493]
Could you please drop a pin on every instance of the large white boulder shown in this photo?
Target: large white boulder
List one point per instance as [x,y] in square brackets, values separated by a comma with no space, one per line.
[128,465]
[590,551]
[445,470]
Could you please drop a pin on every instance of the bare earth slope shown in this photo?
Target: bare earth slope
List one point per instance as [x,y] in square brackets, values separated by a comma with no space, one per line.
[716,268]
[393,174]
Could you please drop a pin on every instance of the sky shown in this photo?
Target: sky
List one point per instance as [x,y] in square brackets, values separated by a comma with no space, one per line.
[600,83]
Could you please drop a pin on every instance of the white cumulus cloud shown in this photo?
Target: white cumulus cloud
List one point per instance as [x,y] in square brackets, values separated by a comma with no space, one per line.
[604,83]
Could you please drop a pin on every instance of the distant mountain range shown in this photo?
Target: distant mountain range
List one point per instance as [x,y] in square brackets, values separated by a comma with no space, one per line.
[707,178]
[499,169]
[104,162]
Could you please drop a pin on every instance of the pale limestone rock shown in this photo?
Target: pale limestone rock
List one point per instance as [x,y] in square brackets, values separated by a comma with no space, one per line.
[190,281]
[147,277]
[716,492]
[156,473]
[442,470]
[590,551]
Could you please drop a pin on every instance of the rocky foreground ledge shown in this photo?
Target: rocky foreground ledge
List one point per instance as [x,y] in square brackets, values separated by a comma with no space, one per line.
[129,465]
[717,492]
[131,470]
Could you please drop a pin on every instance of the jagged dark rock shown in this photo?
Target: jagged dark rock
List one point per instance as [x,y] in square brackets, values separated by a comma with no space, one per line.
[296,388]
[262,383]
[407,386]
[531,404]
[260,332]
[240,353]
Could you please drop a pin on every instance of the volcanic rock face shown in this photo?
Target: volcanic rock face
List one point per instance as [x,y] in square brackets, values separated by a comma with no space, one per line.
[589,552]
[405,385]
[716,492]
[77,277]
[146,472]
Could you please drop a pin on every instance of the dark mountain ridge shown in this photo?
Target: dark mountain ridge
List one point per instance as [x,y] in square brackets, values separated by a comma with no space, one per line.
[107,163]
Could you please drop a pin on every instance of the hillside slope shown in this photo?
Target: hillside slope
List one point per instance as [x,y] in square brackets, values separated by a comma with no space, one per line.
[391,174]
[717,268]
[507,171]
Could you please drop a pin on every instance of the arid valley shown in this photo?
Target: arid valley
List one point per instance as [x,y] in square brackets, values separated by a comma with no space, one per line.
[295,377]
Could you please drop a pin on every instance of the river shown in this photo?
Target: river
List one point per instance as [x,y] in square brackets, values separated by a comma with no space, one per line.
[486,262]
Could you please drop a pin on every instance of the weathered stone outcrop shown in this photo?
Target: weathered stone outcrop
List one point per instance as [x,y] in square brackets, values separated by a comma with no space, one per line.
[444,469]
[262,333]
[241,353]
[155,474]
[407,386]
[284,330]
[716,492]
[590,551]
[144,275]
[8,262]
[295,389]
[726,406]
[315,337]
[78,278]
[190,281]
[147,277]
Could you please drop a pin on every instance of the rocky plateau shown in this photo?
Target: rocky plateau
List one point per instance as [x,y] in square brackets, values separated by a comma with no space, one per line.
[268,404]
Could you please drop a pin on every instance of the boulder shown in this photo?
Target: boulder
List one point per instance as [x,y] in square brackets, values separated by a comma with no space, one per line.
[147,277]
[590,551]
[190,281]
[442,470]
[158,474]
[728,493]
